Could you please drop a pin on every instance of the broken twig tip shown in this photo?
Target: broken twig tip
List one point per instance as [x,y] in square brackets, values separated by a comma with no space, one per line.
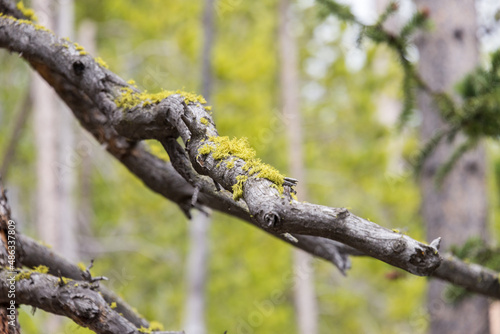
[436,243]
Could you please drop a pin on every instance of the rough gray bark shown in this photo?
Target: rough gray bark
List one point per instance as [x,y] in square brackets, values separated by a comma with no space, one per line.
[76,300]
[32,254]
[158,175]
[306,306]
[458,209]
[90,91]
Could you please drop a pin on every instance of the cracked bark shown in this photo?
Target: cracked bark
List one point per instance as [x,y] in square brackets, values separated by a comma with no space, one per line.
[90,91]
[80,81]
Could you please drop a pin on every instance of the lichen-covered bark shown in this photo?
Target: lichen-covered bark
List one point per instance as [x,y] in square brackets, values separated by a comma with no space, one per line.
[193,178]
[90,90]
[80,79]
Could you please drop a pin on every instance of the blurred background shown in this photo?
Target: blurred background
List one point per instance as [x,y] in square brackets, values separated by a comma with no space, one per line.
[348,98]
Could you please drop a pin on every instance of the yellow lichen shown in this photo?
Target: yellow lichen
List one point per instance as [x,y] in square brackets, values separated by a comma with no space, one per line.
[208,108]
[28,22]
[81,266]
[41,269]
[204,121]
[25,274]
[78,47]
[65,280]
[238,187]
[222,148]
[101,62]
[129,98]
[27,12]
[230,164]
[76,285]
[113,305]
[83,53]
[156,326]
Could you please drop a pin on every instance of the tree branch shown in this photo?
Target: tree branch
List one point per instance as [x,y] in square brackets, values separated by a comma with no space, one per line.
[90,90]
[75,299]
[77,91]
[34,254]
[81,81]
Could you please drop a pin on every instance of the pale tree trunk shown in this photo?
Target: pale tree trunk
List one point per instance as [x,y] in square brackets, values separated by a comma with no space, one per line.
[46,120]
[458,209]
[68,158]
[87,33]
[45,128]
[195,308]
[304,294]
[194,320]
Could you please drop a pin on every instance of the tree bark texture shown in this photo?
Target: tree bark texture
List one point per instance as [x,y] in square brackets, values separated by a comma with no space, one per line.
[457,210]
[306,306]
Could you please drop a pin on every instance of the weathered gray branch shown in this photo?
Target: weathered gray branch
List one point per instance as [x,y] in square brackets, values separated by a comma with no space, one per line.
[76,300]
[79,80]
[33,254]
[91,90]
[89,94]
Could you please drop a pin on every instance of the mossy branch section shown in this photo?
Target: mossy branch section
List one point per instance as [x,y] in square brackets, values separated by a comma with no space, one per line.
[222,148]
[129,98]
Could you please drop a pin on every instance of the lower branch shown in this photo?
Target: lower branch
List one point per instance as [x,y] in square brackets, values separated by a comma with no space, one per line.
[74,299]
[34,254]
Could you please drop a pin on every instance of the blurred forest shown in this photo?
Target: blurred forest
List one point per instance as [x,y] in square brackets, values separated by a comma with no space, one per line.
[355,157]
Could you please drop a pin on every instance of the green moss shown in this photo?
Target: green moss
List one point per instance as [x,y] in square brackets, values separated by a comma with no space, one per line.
[101,62]
[129,98]
[204,121]
[238,187]
[28,12]
[222,148]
